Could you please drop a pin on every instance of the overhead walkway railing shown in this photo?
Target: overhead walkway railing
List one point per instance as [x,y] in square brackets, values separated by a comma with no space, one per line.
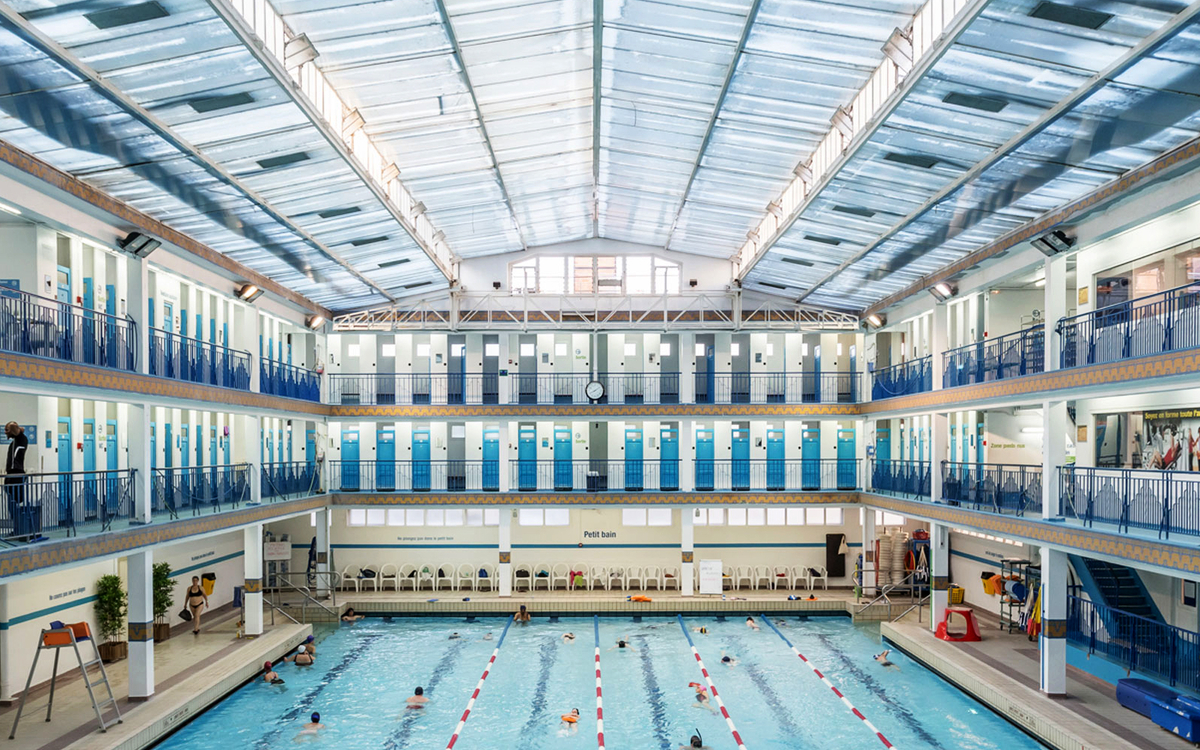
[289,479]
[407,389]
[67,501]
[1139,644]
[281,379]
[42,327]
[904,379]
[1160,323]
[199,489]
[1000,358]
[1166,502]
[905,478]
[179,357]
[778,475]
[1010,489]
[571,388]
[414,476]
[777,388]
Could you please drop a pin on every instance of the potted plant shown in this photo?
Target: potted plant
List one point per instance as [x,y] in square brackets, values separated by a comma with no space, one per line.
[163,586]
[110,617]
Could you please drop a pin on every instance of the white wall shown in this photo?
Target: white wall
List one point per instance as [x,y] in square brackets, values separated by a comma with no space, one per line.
[970,556]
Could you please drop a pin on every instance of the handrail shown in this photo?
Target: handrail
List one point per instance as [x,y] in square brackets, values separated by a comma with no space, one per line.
[1010,489]
[1011,355]
[270,469]
[1138,643]
[215,483]
[905,378]
[1151,499]
[290,381]
[908,584]
[1156,324]
[305,596]
[179,357]
[44,327]
[32,503]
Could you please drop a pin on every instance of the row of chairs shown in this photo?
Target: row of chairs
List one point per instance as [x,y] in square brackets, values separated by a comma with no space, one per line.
[564,576]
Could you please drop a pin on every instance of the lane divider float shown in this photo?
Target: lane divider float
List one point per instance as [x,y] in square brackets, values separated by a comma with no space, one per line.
[711,687]
[479,686]
[829,684]
[599,695]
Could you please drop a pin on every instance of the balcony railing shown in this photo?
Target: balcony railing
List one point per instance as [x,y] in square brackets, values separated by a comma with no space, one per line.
[35,503]
[1167,502]
[570,388]
[183,358]
[412,388]
[594,475]
[281,379]
[199,488]
[777,388]
[289,479]
[414,476]
[900,477]
[904,379]
[43,327]
[1010,356]
[1165,322]
[1139,644]
[777,475]
[1011,489]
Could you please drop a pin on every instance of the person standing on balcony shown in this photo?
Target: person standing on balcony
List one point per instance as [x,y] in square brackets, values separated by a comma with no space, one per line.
[14,470]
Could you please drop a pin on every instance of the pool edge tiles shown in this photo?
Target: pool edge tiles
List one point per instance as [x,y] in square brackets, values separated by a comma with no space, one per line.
[565,607]
[1005,696]
[171,709]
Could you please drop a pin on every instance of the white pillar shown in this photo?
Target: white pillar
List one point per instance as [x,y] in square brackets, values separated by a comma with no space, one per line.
[939,572]
[137,435]
[688,550]
[687,368]
[252,594]
[323,518]
[505,456]
[505,381]
[937,343]
[687,455]
[141,625]
[1054,622]
[1055,423]
[504,569]
[869,576]
[1055,307]
[252,435]
[137,307]
[939,443]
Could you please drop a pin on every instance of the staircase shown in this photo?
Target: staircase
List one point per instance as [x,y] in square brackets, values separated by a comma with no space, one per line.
[1115,586]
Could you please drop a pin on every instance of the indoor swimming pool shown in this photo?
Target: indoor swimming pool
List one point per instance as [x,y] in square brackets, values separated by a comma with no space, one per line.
[365,671]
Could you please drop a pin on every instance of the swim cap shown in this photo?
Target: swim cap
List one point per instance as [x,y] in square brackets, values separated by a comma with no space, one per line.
[301,650]
[420,691]
[316,717]
[726,658]
[309,639]
[266,665]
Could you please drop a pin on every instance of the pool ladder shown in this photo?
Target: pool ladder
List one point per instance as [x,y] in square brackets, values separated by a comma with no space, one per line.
[56,639]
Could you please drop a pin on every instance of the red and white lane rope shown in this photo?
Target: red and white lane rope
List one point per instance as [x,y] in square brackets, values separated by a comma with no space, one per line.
[478,687]
[829,684]
[599,694]
[711,687]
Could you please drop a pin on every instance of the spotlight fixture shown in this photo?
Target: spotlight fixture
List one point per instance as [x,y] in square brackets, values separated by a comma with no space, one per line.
[875,320]
[248,292]
[1053,243]
[496,285]
[942,291]
[138,244]
[314,321]
[692,283]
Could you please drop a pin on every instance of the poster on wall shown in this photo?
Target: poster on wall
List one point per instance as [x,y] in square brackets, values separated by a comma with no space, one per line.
[1169,440]
[277,550]
[710,577]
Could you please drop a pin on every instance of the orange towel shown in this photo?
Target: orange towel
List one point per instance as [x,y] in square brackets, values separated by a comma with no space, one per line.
[640,599]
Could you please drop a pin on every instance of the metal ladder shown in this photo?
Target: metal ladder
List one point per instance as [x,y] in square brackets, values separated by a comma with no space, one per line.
[58,639]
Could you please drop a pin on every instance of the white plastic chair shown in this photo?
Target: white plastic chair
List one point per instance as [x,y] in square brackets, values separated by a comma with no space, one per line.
[371,579]
[652,574]
[616,578]
[670,577]
[762,574]
[527,580]
[446,574]
[464,575]
[349,576]
[783,577]
[598,578]
[425,574]
[633,575]
[489,580]
[407,576]
[560,572]
[800,577]
[822,576]
[543,579]
[728,581]
[583,576]
[745,573]
[388,574]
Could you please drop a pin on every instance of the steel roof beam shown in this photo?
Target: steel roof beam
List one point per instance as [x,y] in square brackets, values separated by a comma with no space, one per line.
[597,83]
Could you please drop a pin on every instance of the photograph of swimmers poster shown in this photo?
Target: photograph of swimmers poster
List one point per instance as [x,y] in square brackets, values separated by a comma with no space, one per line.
[1168,440]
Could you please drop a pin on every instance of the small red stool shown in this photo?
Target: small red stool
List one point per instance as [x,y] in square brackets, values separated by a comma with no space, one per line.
[972,633]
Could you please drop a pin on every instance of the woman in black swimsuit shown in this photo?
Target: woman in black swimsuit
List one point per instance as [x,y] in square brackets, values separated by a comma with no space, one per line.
[197,600]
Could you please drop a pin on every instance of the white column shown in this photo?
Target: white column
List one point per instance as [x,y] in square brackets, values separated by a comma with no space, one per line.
[505,382]
[1055,306]
[137,435]
[323,518]
[141,625]
[869,577]
[505,457]
[687,455]
[938,343]
[1054,622]
[252,597]
[1055,424]
[688,550]
[939,572]
[137,285]
[252,435]
[687,368]
[504,570]
[939,443]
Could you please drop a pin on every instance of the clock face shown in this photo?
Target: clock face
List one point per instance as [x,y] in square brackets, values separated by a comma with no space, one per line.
[594,390]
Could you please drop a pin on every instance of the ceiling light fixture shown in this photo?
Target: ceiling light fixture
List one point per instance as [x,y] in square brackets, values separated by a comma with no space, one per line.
[297,51]
[942,291]
[248,292]
[138,244]
[10,209]
[314,321]
[1053,243]
[875,320]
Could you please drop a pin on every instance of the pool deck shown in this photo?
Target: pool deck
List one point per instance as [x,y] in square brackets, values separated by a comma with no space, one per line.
[1002,672]
[191,672]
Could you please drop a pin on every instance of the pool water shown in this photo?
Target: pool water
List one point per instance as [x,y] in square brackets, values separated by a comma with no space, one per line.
[365,671]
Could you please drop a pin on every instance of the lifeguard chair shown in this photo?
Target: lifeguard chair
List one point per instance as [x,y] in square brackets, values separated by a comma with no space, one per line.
[61,636]
[972,628]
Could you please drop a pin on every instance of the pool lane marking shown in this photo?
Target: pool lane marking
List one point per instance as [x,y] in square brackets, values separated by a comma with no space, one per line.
[479,686]
[828,684]
[711,687]
[599,696]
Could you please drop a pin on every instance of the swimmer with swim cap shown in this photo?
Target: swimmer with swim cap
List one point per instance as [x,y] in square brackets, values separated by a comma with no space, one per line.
[310,730]
[417,699]
[882,658]
[695,743]
[270,675]
[623,644]
[571,721]
[700,629]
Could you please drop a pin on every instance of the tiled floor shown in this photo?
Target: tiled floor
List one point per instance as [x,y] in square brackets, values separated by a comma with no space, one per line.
[183,665]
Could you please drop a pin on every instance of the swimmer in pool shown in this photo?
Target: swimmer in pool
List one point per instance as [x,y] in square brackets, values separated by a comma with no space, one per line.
[882,658]
[455,636]
[700,629]
[417,699]
[568,637]
[303,657]
[702,700]
[727,660]
[570,722]
[695,744]
[310,730]
[522,614]
[750,623]
[623,644]
[312,649]
[487,636]
[270,675]
[350,615]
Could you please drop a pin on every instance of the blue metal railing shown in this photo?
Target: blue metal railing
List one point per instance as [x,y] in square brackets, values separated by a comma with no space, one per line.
[1139,644]
[414,388]
[904,379]
[197,488]
[1010,356]
[281,379]
[900,477]
[289,479]
[181,357]
[1165,322]
[777,388]
[1163,501]
[414,476]
[593,475]
[35,503]
[43,327]
[638,388]
[777,475]
[1011,489]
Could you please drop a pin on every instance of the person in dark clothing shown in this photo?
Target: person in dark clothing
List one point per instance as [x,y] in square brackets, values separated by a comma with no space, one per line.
[14,470]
